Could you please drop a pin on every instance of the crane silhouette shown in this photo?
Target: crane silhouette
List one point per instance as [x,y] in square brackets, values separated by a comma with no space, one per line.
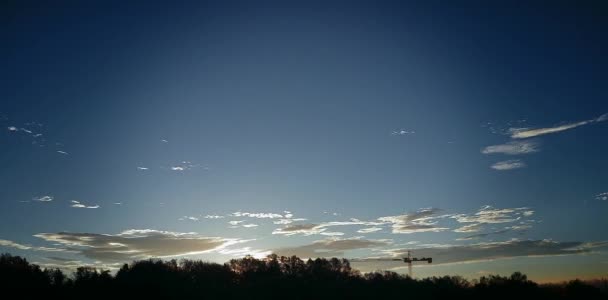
[409,260]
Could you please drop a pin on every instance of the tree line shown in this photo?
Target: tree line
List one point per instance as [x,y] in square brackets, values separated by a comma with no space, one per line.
[275,277]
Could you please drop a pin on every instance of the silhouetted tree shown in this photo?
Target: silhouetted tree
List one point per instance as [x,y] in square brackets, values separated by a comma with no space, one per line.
[273,277]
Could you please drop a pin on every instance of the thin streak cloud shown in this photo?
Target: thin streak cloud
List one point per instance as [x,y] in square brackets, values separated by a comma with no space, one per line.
[506,165]
[522,133]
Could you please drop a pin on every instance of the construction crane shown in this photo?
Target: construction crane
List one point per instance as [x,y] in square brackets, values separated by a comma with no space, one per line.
[409,260]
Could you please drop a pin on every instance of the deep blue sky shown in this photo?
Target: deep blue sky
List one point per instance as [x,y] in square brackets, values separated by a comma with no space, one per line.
[330,110]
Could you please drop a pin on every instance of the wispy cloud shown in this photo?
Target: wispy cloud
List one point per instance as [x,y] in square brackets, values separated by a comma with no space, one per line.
[213,217]
[515,228]
[331,247]
[11,244]
[602,196]
[469,228]
[513,148]
[188,218]
[522,133]
[12,128]
[78,204]
[137,244]
[490,215]
[369,229]
[423,220]
[496,250]
[305,229]
[509,165]
[43,198]
[402,132]
[184,165]
[142,168]
[62,152]
[257,215]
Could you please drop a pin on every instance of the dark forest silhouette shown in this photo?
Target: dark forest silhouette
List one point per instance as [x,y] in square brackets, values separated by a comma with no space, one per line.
[271,278]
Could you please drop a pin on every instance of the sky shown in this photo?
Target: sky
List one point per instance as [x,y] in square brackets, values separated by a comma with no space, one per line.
[470,132]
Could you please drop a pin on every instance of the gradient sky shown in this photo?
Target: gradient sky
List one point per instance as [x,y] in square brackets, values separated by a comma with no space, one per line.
[471,132]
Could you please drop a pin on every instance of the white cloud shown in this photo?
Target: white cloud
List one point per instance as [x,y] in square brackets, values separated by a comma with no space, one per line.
[164,141]
[369,229]
[234,223]
[288,221]
[177,168]
[402,132]
[513,148]
[188,218]
[43,198]
[522,133]
[257,215]
[469,228]
[508,165]
[245,251]
[62,152]
[142,168]
[490,215]
[213,217]
[305,229]
[421,221]
[250,225]
[78,204]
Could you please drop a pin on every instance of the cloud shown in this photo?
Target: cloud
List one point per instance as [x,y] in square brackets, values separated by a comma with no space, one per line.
[369,229]
[331,247]
[310,229]
[250,225]
[513,148]
[508,165]
[490,215]
[164,141]
[522,133]
[469,228]
[137,244]
[257,215]
[402,132]
[188,218]
[519,228]
[240,252]
[142,168]
[62,152]
[498,250]
[184,165]
[213,217]
[12,128]
[305,229]
[421,221]
[602,196]
[11,244]
[78,204]
[43,199]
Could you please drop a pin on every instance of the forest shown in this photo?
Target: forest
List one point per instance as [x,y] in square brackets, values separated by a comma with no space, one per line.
[274,277]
